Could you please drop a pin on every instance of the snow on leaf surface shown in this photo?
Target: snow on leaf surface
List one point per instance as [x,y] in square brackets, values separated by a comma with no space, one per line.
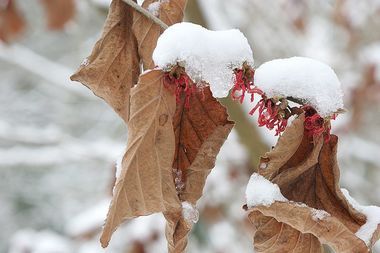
[208,56]
[261,191]
[370,230]
[307,173]
[302,78]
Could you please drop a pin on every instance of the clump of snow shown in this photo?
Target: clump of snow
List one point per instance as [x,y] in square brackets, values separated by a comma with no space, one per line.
[302,78]
[154,8]
[372,213]
[261,191]
[190,212]
[319,214]
[208,56]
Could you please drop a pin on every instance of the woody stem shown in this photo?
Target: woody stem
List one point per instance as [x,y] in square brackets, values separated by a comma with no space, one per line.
[146,13]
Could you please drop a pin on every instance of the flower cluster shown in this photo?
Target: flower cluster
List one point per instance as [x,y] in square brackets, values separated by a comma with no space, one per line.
[272,113]
[244,84]
[315,125]
[181,84]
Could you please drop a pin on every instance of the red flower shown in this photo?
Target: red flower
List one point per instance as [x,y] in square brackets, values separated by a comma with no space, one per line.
[181,84]
[244,84]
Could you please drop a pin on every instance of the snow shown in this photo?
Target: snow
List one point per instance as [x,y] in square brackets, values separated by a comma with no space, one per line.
[302,78]
[190,212]
[261,191]
[38,242]
[102,3]
[89,220]
[319,214]
[208,56]
[372,213]
[154,8]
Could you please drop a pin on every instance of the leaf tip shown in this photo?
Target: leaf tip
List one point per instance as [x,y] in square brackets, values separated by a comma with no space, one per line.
[104,240]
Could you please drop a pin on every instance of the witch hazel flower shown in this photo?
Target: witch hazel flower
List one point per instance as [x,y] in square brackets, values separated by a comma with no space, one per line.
[272,112]
[311,85]
[177,81]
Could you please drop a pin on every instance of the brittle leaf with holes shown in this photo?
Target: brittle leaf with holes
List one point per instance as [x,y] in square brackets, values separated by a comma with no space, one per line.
[146,185]
[147,32]
[200,131]
[113,66]
[307,174]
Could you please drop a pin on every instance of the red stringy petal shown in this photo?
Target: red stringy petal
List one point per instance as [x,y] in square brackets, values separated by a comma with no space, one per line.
[180,86]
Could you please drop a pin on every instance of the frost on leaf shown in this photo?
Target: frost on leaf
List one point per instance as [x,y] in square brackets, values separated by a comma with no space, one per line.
[147,32]
[200,131]
[317,212]
[58,12]
[113,66]
[12,23]
[145,185]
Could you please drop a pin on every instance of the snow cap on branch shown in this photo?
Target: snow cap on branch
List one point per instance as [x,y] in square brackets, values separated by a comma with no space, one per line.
[303,78]
[207,56]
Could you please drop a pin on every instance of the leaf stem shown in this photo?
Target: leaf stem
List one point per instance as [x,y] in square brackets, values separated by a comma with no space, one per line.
[146,13]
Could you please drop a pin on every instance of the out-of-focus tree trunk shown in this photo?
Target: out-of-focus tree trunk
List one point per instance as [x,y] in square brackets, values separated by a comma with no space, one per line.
[246,130]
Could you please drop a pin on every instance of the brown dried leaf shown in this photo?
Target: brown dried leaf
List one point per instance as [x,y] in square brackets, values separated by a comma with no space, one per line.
[113,66]
[58,12]
[200,132]
[12,23]
[145,185]
[306,172]
[147,32]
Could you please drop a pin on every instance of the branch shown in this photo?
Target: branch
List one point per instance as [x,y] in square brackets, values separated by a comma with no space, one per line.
[146,13]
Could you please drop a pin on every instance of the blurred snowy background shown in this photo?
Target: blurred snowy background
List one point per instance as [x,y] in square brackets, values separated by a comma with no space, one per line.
[58,142]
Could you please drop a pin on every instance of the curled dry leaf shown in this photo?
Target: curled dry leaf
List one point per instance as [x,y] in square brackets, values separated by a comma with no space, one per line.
[147,32]
[308,176]
[200,132]
[58,12]
[12,23]
[146,185]
[113,66]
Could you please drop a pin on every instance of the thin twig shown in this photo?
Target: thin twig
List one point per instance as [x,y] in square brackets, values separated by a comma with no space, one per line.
[146,13]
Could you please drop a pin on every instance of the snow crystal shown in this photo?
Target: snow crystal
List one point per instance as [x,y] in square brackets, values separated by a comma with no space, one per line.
[190,212]
[261,191]
[319,214]
[302,78]
[85,62]
[208,56]
[154,8]
[372,213]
